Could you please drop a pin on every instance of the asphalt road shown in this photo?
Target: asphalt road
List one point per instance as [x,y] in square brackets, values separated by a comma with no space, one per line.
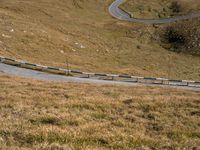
[116,12]
[43,76]
[27,73]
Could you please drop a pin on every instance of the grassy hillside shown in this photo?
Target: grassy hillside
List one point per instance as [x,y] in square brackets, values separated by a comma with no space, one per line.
[81,32]
[160,8]
[47,115]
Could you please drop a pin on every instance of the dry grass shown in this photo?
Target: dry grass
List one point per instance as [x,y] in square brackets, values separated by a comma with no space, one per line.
[160,8]
[83,33]
[47,115]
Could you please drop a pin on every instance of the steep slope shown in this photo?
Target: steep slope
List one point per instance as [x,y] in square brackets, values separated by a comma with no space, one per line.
[82,33]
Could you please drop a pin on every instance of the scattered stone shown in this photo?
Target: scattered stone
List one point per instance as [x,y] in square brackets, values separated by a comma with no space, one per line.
[1,139]
[12,30]
[107,50]
[82,46]
[6,36]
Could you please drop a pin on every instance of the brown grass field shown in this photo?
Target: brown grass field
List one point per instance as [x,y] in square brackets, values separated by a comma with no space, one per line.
[58,116]
[63,116]
[82,32]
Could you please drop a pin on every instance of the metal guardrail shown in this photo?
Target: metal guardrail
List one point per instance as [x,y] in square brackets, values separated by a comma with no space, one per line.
[126,78]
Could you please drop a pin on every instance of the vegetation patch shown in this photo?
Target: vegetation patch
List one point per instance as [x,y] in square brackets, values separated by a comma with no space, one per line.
[54,121]
[181,37]
[138,118]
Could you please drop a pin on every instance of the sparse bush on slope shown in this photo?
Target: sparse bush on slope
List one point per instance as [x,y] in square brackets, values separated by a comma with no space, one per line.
[175,7]
[181,37]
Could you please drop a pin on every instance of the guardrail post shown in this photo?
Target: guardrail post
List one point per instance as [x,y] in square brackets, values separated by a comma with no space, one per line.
[2,59]
[68,72]
[162,82]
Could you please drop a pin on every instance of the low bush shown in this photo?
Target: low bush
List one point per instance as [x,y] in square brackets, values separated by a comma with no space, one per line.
[181,37]
[175,7]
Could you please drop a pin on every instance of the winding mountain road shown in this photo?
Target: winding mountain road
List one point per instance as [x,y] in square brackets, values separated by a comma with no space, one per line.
[118,13]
